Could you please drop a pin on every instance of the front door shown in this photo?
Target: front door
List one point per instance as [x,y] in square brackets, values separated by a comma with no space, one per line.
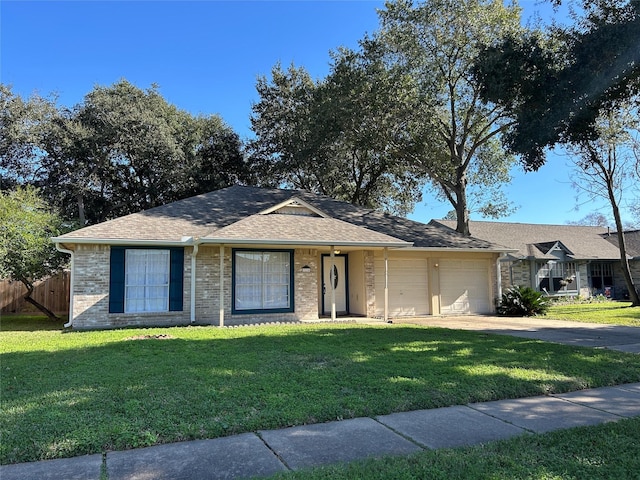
[334,276]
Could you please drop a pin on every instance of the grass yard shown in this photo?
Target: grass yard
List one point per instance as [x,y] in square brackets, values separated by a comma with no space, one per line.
[610,312]
[66,394]
[608,451]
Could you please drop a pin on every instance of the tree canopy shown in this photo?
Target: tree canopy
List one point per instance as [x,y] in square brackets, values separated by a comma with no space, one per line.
[401,111]
[336,136]
[557,82]
[121,150]
[578,87]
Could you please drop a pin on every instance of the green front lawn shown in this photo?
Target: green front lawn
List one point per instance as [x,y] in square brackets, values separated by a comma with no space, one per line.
[66,394]
[607,452]
[616,313]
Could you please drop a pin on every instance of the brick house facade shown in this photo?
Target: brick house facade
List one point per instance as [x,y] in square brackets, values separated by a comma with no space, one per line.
[244,255]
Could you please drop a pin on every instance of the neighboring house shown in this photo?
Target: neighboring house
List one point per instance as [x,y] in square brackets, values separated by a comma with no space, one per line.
[556,259]
[632,243]
[247,255]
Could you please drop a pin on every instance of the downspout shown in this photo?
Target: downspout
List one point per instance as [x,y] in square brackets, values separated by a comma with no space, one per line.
[196,244]
[71,282]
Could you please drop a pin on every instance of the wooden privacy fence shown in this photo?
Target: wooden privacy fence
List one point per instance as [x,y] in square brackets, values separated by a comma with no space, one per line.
[53,293]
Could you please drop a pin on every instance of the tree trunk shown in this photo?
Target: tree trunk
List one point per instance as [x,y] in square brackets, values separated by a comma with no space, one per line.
[50,315]
[624,262]
[81,216]
[462,207]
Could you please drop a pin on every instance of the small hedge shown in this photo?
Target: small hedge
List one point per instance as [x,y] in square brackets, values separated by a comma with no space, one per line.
[521,301]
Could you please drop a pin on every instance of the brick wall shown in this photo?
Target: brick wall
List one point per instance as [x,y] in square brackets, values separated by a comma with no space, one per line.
[306,284]
[91,291]
[208,289]
[91,294]
[516,273]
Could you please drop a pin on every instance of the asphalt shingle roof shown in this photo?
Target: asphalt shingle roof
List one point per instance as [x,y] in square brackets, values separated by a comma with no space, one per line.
[292,229]
[631,241]
[205,215]
[534,240]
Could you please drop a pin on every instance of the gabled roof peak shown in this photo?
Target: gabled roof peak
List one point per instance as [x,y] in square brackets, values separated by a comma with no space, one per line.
[546,247]
[295,206]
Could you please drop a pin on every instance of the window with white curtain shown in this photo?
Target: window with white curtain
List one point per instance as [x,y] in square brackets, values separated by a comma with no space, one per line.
[146,281]
[262,280]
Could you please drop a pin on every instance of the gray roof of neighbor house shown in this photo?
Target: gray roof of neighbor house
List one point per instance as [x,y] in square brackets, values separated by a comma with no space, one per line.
[534,240]
[232,214]
[631,241]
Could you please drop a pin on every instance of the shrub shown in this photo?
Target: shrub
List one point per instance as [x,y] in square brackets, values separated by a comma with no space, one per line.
[521,301]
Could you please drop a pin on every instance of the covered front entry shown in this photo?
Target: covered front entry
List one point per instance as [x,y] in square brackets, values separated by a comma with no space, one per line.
[464,287]
[334,277]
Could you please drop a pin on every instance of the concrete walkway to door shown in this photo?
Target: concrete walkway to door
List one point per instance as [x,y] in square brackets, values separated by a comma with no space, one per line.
[613,337]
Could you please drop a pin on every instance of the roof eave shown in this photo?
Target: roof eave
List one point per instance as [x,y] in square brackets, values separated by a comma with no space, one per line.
[122,241]
[464,249]
[324,243]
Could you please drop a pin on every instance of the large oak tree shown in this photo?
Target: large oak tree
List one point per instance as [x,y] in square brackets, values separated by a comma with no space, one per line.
[121,150]
[337,136]
[453,136]
[563,85]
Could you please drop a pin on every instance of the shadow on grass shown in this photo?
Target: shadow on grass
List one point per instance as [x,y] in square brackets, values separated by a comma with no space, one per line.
[131,392]
[30,323]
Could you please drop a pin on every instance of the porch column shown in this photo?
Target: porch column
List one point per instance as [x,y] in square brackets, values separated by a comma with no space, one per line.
[386,284]
[499,277]
[331,281]
[221,317]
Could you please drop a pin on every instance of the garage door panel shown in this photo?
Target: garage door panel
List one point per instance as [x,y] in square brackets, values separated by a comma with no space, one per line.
[408,292]
[464,287]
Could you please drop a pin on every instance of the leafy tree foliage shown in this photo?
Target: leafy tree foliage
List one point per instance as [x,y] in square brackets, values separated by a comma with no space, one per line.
[401,111]
[571,86]
[453,136]
[336,136]
[121,150]
[604,165]
[557,83]
[26,252]
[24,126]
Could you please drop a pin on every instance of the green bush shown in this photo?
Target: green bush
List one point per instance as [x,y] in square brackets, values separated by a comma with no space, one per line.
[522,301]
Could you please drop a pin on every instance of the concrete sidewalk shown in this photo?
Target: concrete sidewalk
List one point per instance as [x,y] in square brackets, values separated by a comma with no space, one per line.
[264,453]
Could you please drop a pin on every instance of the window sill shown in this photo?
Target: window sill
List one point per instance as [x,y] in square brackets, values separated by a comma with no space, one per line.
[262,312]
[149,314]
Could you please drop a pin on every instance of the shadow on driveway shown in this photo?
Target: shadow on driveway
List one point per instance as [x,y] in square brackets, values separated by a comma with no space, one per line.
[614,337]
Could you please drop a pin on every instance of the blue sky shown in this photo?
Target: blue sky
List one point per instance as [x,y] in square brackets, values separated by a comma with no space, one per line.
[206,55]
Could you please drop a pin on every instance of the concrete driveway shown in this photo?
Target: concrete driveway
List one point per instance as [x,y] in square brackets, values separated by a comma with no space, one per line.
[614,337]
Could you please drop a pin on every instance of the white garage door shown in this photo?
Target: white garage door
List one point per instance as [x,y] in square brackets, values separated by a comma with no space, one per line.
[464,287]
[408,294]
